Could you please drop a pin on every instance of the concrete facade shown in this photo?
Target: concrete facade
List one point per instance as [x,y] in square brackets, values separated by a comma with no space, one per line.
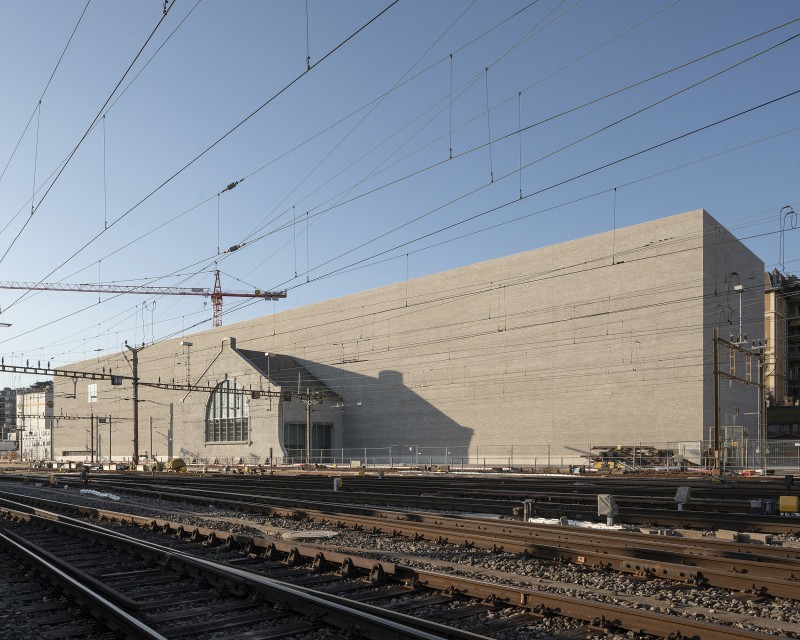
[600,341]
[782,326]
[8,414]
[34,422]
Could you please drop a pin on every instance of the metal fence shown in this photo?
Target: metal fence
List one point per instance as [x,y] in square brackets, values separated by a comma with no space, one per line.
[736,455]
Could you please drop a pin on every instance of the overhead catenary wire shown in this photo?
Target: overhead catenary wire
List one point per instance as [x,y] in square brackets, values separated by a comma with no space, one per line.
[35,153]
[235,183]
[372,107]
[592,195]
[489,126]
[44,91]
[540,122]
[72,153]
[686,164]
[685,64]
[107,110]
[543,189]
[204,151]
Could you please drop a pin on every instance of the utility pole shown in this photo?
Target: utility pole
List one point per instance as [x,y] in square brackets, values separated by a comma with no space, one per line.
[135,366]
[308,429]
[309,399]
[762,413]
[91,438]
[755,349]
[716,401]
[170,432]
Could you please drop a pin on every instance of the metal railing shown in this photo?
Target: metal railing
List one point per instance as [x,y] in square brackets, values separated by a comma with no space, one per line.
[736,455]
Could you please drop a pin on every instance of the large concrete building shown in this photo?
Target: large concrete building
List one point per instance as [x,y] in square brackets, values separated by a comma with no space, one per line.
[536,357]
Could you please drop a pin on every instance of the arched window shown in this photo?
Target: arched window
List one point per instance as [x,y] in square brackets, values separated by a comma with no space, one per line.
[227,414]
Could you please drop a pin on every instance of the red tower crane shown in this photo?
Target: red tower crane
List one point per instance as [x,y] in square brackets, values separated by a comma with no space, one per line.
[216,294]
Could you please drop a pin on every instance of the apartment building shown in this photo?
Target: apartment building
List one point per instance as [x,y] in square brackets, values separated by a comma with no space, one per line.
[782,330]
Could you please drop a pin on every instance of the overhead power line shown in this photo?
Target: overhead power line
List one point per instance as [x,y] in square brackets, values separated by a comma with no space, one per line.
[44,91]
[72,153]
[206,150]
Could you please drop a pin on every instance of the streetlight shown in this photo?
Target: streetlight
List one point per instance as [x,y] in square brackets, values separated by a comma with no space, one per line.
[738,288]
[188,345]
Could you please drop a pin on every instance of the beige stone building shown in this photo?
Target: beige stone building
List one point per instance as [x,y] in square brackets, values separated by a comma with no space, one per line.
[538,357]
[34,410]
[782,329]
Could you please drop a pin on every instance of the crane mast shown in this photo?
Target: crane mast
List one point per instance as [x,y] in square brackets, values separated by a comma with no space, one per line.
[216,294]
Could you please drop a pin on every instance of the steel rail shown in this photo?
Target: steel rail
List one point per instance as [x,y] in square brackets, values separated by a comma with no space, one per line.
[728,551]
[585,509]
[559,544]
[650,517]
[112,613]
[607,616]
[371,621]
[601,615]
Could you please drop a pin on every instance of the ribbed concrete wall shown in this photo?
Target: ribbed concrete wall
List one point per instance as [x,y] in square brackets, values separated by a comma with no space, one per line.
[603,340]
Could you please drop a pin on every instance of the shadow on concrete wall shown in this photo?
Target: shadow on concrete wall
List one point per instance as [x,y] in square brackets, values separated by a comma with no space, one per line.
[382,412]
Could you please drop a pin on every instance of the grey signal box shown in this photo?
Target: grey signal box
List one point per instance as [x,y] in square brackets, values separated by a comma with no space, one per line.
[682,496]
[606,505]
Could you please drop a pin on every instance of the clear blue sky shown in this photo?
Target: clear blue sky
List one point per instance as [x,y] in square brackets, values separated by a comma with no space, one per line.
[329,138]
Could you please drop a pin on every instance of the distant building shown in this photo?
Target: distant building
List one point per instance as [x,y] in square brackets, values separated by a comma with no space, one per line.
[34,421]
[8,414]
[782,330]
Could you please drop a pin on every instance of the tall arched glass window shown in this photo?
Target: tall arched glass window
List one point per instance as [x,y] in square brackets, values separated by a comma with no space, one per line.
[227,414]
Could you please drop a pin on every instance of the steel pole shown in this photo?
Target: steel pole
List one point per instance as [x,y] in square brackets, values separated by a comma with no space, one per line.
[308,429]
[716,401]
[170,432]
[135,365]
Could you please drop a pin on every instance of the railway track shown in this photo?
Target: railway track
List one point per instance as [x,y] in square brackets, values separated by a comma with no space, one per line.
[167,588]
[742,567]
[576,501]
[154,592]
[35,608]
